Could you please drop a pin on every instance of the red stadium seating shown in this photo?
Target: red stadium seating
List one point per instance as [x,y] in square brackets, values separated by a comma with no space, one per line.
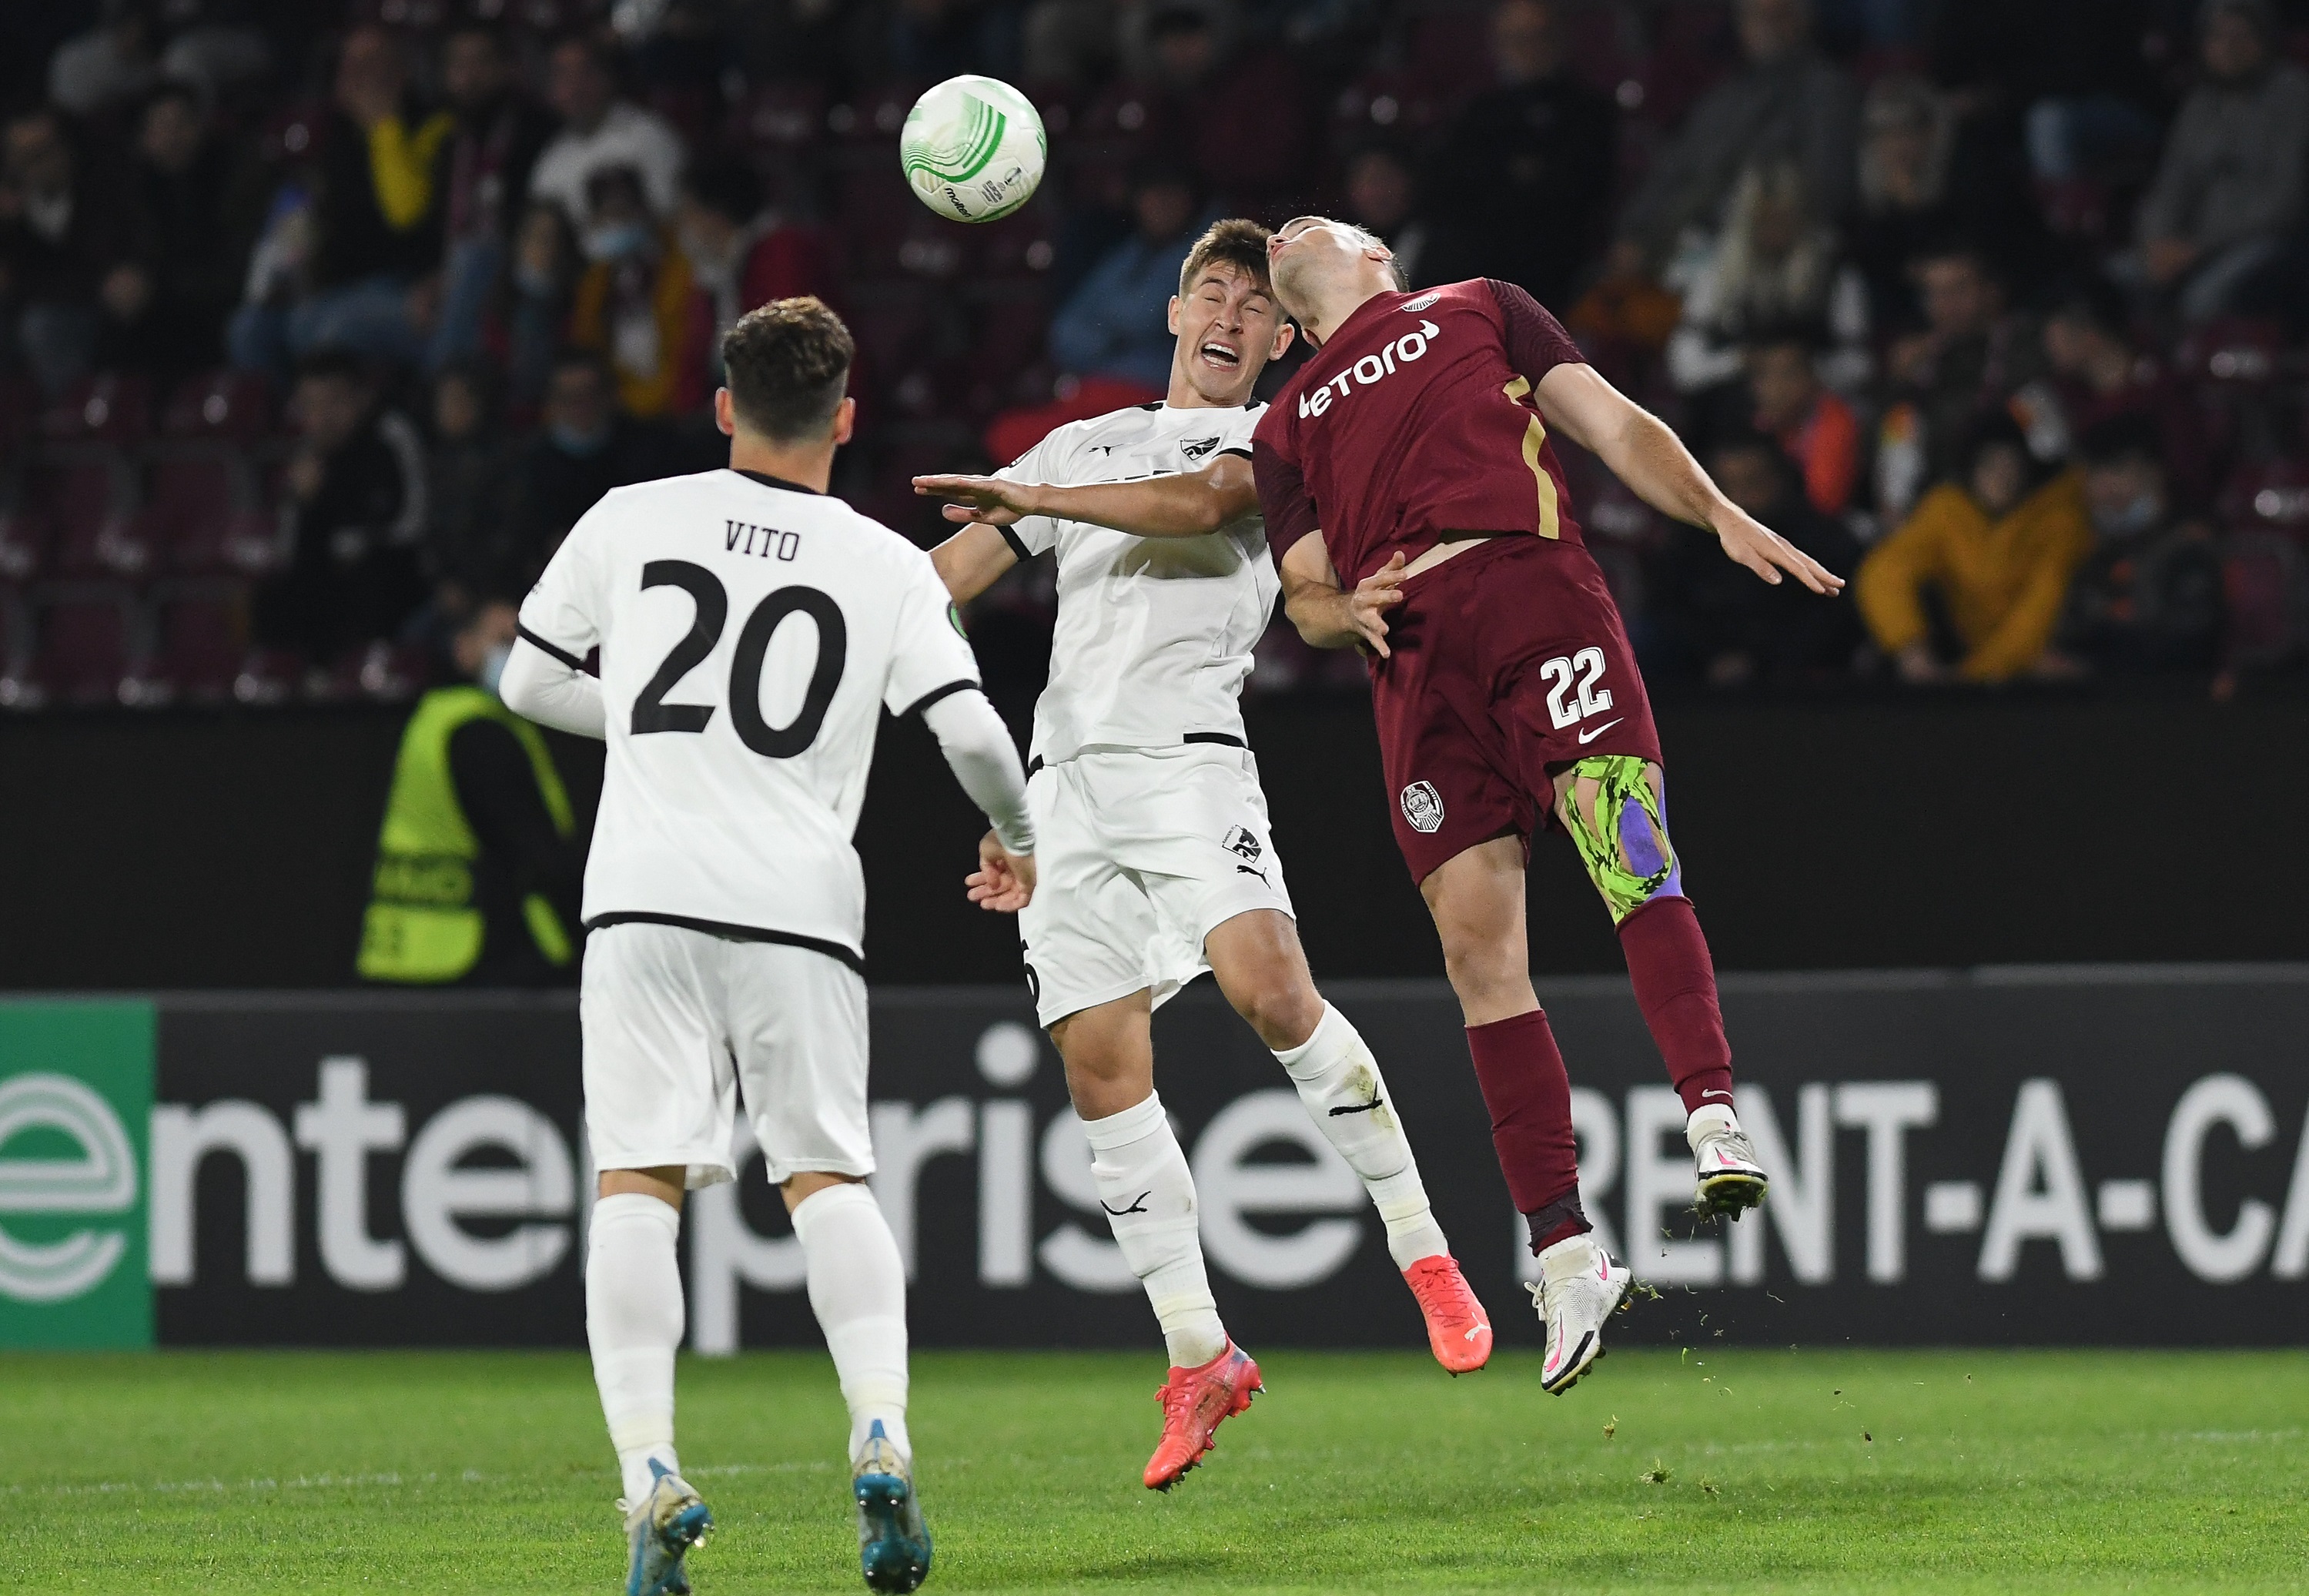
[199,498]
[88,498]
[23,544]
[85,646]
[218,404]
[202,640]
[113,407]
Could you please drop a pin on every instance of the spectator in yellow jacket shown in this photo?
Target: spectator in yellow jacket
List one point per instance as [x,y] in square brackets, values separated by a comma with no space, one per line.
[1995,552]
[639,305]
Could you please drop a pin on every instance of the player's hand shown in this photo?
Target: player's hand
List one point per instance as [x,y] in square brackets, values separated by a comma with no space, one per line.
[1367,605]
[989,501]
[1749,542]
[1004,881]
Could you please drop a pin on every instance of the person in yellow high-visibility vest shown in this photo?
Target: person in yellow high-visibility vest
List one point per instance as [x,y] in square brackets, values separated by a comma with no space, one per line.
[479,863]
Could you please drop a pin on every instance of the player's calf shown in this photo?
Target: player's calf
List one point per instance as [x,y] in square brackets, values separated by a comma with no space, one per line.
[1612,808]
[1339,1080]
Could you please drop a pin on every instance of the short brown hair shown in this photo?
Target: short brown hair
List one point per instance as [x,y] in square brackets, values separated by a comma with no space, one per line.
[1235,241]
[786,364]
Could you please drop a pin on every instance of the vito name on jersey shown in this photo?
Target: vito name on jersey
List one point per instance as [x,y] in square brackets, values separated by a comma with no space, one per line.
[762,541]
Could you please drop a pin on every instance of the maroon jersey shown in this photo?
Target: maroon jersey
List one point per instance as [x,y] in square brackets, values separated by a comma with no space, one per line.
[1415,418]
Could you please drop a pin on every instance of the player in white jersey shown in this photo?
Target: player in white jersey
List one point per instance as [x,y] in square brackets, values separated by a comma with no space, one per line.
[752,631]
[1156,859]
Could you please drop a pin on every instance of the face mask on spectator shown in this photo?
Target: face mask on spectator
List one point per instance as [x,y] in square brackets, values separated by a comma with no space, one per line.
[492,670]
[2135,516]
[573,441]
[616,241]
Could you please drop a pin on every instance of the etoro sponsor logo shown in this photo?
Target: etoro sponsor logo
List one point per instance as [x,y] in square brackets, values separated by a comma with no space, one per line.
[75,1095]
[1376,366]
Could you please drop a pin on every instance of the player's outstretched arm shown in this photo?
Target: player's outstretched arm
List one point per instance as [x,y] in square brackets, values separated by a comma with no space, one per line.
[978,750]
[972,561]
[1641,450]
[552,691]
[1187,505]
[1327,615]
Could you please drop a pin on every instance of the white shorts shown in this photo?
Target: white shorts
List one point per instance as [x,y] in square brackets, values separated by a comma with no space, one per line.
[679,1025]
[1138,854]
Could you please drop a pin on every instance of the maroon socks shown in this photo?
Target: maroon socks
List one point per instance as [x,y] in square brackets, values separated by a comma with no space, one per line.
[1521,1074]
[1675,986]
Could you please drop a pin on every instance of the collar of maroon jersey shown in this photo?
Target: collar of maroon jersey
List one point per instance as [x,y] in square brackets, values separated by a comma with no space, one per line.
[1359,311]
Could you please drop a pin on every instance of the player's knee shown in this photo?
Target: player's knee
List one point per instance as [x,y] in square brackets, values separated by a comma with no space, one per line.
[1618,824]
[1281,1005]
[1484,969]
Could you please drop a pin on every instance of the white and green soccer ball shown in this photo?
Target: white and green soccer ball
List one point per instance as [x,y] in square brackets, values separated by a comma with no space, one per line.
[972,148]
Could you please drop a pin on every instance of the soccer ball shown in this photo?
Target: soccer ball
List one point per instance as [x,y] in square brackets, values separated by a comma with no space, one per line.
[974,149]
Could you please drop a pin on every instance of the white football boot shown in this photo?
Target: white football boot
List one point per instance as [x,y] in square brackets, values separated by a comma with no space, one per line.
[1577,1288]
[1730,1179]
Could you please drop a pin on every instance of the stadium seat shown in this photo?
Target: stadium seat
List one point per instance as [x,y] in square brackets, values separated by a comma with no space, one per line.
[23,544]
[1013,433]
[111,408]
[198,497]
[88,498]
[18,404]
[875,115]
[225,404]
[85,642]
[786,115]
[1018,246]
[201,641]
[2269,495]
[17,689]
[2234,352]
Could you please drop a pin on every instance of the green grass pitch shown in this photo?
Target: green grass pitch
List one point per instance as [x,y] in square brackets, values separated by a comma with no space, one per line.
[1745,1471]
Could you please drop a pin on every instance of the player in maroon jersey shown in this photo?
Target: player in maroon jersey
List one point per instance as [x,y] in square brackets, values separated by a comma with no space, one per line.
[1406,473]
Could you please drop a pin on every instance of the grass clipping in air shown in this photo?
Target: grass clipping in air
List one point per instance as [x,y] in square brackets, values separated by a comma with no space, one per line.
[1748,1470]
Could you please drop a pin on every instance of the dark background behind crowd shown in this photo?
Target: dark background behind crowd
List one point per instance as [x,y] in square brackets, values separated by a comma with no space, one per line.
[321,324]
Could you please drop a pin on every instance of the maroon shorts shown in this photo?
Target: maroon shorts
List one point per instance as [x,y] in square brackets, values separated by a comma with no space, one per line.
[1509,663]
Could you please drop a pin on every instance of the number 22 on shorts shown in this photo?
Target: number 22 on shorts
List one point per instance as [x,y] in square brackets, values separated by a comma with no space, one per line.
[1585,668]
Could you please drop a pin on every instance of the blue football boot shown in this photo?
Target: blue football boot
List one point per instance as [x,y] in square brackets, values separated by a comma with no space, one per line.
[893,1543]
[659,1530]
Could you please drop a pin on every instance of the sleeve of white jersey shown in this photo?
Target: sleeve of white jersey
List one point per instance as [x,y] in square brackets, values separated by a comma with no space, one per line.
[930,658]
[1030,535]
[545,680]
[1234,436]
[563,612]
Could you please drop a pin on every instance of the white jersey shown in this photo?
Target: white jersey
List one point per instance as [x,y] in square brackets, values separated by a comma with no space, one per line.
[751,634]
[1155,635]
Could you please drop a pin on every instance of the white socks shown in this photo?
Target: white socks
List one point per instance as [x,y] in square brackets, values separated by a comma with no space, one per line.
[857,1290]
[1149,1198]
[1340,1081]
[1707,1120]
[633,1318]
[634,1323]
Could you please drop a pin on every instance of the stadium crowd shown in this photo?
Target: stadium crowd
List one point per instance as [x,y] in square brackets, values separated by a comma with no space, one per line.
[320,326]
